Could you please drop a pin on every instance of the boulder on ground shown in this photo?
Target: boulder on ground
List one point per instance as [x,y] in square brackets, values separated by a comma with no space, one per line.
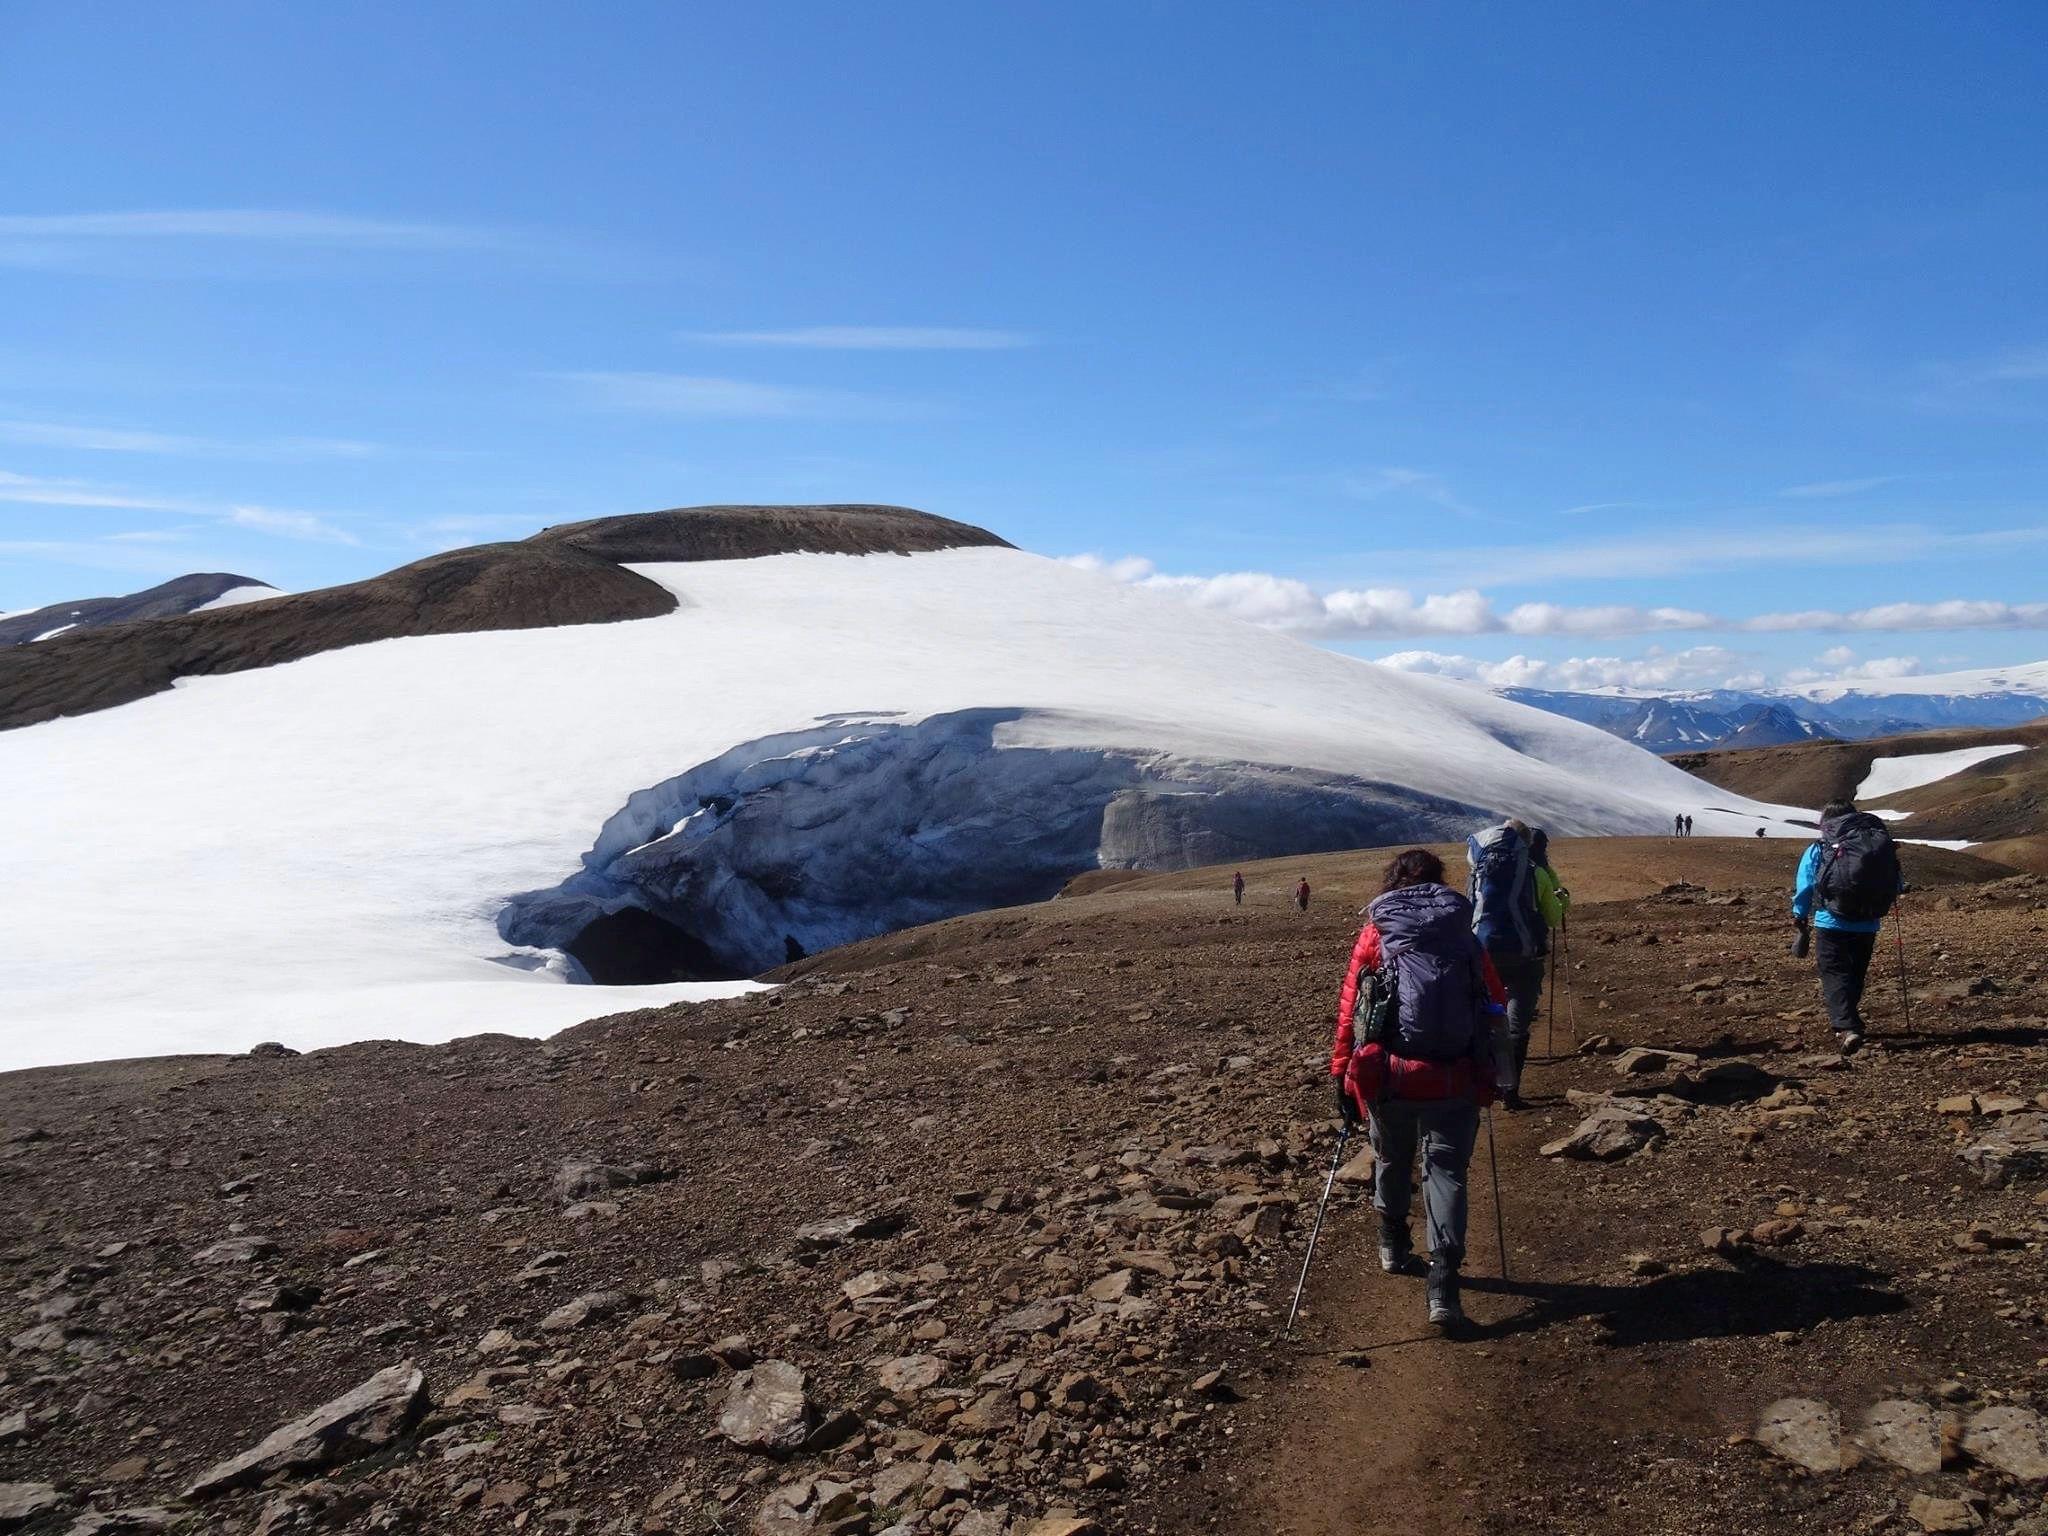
[1804,1431]
[1645,1060]
[1610,1132]
[2012,1439]
[2017,1148]
[591,1307]
[867,1226]
[354,1424]
[1904,1433]
[1942,1516]
[22,1502]
[766,1409]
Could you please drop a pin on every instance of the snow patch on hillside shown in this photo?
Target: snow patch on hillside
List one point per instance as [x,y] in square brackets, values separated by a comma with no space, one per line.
[1895,775]
[234,597]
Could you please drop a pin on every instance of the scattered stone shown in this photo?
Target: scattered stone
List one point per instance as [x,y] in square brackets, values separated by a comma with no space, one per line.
[22,1502]
[354,1424]
[1957,1104]
[271,1048]
[2010,1438]
[591,1307]
[767,1409]
[911,1373]
[1906,1434]
[1942,1515]
[1777,1233]
[1047,1316]
[1645,1061]
[584,1178]
[236,1250]
[871,1226]
[2017,1148]
[14,1427]
[1645,1264]
[1804,1431]
[1357,1170]
[1609,1133]
[122,1522]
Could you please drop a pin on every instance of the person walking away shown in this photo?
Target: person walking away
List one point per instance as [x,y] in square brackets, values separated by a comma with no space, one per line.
[1510,926]
[1416,1061]
[1678,825]
[1848,880]
[1688,825]
[1301,894]
[1553,901]
[1237,887]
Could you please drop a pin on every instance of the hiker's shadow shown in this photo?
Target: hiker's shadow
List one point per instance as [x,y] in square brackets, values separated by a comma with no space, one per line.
[1755,1296]
[1976,1034]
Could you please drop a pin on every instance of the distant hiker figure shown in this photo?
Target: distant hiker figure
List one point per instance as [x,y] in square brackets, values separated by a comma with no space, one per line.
[1301,895]
[1508,917]
[1237,887]
[1688,826]
[1759,831]
[1678,826]
[1415,1057]
[1848,880]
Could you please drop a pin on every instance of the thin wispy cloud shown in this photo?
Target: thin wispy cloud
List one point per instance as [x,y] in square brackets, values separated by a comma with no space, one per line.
[1702,666]
[200,241]
[685,394]
[98,439]
[279,522]
[1283,603]
[1822,489]
[873,338]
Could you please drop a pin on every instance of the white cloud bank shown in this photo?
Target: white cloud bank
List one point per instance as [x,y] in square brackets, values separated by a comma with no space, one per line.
[1281,602]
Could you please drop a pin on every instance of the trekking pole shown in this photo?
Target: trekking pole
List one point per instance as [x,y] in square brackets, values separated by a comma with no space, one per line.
[1905,997]
[1500,1230]
[1571,998]
[1323,1205]
[1550,1029]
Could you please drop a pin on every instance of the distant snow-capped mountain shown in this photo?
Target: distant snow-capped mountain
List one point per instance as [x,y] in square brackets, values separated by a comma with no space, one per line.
[181,594]
[1767,717]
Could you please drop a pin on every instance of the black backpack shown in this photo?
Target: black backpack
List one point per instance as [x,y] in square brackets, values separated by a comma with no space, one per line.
[1859,868]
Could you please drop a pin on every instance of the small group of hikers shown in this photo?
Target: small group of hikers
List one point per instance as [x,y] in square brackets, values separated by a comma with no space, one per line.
[1681,826]
[1237,891]
[1434,1018]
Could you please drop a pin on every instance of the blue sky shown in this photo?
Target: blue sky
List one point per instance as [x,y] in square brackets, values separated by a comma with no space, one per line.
[1645,343]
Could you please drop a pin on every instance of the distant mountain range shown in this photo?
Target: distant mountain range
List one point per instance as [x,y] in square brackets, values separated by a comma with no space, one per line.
[181,594]
[1773,717]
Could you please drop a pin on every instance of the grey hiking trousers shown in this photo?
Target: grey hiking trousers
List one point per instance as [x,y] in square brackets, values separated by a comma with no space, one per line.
[1521,977]
[1445,1130]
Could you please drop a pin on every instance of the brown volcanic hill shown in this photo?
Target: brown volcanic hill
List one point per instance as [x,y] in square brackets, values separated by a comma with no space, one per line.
[571,574]
[2001,805]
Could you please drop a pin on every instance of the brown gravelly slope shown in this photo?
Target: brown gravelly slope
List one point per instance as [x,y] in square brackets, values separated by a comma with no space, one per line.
[1086,1138]
[572,574]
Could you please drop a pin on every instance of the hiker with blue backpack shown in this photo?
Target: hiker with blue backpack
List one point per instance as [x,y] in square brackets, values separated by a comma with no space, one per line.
[1514,907]
[1849,878]
[1413,1055]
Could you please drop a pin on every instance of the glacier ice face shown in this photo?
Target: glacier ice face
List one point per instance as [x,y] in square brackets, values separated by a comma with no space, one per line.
[857,827]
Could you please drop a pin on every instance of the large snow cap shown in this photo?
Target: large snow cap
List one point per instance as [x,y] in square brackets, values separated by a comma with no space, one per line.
[326,850]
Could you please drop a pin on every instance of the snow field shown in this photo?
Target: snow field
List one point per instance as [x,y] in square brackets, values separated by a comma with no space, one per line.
[323,850]
[1895,775]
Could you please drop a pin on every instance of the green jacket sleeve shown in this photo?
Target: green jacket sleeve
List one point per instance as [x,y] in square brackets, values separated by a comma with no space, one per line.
[1552,899]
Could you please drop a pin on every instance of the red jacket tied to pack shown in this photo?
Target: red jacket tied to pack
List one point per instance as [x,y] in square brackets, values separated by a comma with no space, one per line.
[1440,994]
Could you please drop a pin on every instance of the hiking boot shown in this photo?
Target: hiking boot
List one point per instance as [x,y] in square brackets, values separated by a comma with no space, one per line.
[1849,1041]
[1397,1253]
[1511,1100]
[1442,1292]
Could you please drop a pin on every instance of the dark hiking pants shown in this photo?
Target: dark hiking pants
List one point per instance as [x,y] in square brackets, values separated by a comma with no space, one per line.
[1843,960]
[1445,1131]
[1522,976]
